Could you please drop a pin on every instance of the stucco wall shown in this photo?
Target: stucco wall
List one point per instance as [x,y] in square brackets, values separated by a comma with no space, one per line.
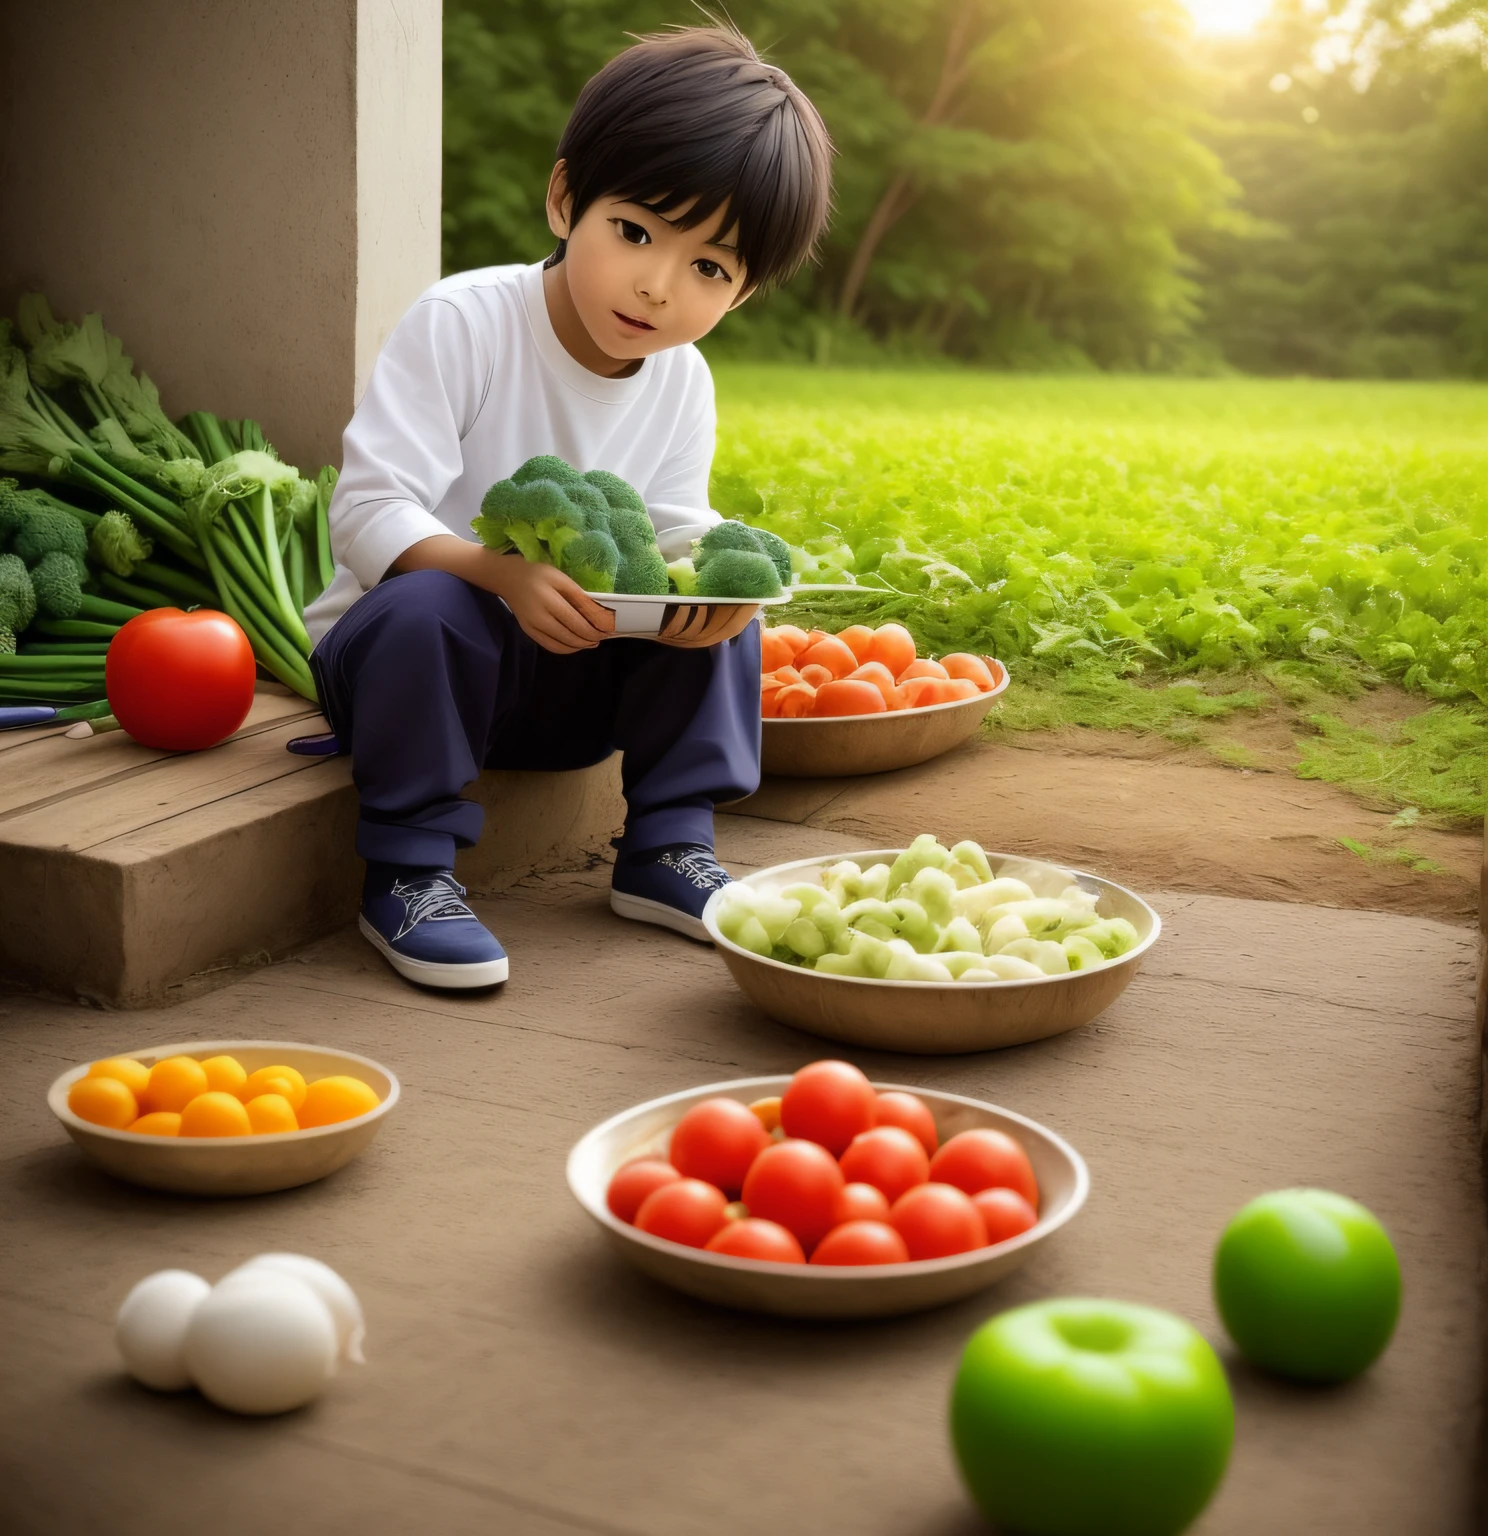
[248,191]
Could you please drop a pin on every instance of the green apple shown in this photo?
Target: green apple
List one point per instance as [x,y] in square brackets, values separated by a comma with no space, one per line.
[1307,1284]
[1091,1418]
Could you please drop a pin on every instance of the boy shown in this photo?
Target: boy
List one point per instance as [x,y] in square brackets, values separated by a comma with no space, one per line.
[689,176]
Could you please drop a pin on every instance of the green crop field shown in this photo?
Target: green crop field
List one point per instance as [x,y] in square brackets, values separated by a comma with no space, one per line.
[1152,553]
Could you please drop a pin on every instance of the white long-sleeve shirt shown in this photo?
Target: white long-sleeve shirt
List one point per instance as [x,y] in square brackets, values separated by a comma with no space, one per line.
[473,382]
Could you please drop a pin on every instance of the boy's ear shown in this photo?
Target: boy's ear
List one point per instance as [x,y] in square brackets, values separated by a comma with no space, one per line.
[560,200]
[744,294]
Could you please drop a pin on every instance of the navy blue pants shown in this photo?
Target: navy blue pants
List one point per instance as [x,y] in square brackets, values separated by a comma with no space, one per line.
[427,679]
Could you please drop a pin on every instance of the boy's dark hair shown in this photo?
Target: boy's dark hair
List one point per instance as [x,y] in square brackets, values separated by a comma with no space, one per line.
[695,112]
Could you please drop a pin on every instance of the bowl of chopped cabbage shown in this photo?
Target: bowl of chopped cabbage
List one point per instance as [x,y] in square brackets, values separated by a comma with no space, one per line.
[929,949]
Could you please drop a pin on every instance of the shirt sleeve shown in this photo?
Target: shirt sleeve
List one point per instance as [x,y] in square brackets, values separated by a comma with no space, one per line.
[677,495]
[401,450]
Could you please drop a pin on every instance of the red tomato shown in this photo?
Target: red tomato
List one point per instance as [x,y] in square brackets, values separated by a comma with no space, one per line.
[1004,1212]
[964,664]
[861,1242]
[828,1102]
[858,638]
[860,1202]
[893,645]
[777,650]
[889,1158]
[687,1212]
[632,1183]
[935,1221]
[180,681]
[716,1141]
[909,1114]
[985,1159]
[828,652]
[797,1184]
[753,1238]
[848,697]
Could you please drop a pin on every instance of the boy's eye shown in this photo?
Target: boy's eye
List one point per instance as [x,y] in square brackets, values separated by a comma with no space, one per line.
[633,233]
[711,269]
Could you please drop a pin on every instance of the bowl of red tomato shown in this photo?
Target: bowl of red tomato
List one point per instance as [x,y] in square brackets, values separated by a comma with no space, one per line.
[864,700]
[824,1195]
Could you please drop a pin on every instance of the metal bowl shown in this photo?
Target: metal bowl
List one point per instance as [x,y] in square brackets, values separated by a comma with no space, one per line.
[805,1290]
[932,1018]
[852,744]
[233,1165]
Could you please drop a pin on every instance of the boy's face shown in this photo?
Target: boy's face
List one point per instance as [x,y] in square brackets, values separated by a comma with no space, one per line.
[640,284]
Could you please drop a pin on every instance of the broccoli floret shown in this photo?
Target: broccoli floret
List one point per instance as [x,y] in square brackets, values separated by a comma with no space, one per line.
[537,519]
[683,576]
[642,571]
[117,545]
[545,466]
[7,642]
[55,579]
[44,531]
[631,528]
[744,574]
[17,596]
[592,560]
[595,508]
[619,493]
[778,551]
[724,536]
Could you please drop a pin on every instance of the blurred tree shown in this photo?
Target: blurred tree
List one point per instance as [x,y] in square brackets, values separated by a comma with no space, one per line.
[1016,181]
[1359,135]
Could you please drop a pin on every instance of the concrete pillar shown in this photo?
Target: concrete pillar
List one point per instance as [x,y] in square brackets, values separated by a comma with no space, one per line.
[248,191]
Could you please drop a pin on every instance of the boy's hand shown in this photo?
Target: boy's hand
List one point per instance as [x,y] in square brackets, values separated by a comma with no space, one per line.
[552,609]
[700,627]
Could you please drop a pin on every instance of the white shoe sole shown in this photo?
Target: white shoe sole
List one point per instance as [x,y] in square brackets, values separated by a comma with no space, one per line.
[640,909]
[486,973]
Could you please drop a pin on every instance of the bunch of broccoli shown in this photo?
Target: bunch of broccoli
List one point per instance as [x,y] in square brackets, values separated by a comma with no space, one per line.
[733,560]
[595,528]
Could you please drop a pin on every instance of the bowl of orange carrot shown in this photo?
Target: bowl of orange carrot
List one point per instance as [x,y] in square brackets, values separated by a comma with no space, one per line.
[864,700]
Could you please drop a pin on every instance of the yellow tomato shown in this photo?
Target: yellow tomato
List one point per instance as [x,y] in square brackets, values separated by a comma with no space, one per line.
[329,1100]
[215,1114]
[224,1074]
[133,1074]
[174,1083]
[270,1113]
[161,1123]
[103,1101]
[284,1081]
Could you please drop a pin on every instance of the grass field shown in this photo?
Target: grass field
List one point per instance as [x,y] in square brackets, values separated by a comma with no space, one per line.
[1151,554]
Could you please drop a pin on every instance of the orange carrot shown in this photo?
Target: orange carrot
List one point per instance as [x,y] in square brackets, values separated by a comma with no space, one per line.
[878,674]
[775,651]
[794,637]
[816,674]
[793,702]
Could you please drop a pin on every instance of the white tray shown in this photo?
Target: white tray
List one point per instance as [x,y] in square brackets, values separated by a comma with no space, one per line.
[641,614]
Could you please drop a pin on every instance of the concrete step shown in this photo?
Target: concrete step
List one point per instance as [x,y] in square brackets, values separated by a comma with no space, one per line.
[128,873]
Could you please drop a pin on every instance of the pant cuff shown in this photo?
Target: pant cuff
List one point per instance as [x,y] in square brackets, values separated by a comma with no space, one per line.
[671,824]
[381,844]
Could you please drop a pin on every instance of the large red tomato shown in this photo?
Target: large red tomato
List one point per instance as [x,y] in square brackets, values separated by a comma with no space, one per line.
[716,1141]
[180,681]
[937,1220]
[796,1183]
[905,1110]
[687,1212]
[887,1157]
[828,1102]
[985,1159]
[861,1242]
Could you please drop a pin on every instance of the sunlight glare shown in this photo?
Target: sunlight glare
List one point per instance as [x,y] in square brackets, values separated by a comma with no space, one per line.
[1226,18]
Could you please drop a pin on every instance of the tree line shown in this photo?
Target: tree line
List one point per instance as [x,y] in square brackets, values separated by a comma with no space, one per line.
[1064,183]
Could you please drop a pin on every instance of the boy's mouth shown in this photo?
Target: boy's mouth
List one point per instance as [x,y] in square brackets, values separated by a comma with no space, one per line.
[630,320]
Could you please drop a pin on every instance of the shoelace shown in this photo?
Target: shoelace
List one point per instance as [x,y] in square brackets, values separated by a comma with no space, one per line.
[429,898]
[700,868]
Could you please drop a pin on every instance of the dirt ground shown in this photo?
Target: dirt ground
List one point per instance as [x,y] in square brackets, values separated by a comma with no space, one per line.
[1152,814]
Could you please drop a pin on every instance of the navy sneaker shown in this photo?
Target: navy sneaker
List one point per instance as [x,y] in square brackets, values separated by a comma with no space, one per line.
[418,920]
[668,886]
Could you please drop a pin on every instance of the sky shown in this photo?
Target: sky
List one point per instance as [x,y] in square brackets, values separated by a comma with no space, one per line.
[1219,17]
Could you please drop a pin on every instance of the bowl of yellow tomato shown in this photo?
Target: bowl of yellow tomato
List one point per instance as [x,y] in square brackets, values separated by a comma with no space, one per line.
[224,1117]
